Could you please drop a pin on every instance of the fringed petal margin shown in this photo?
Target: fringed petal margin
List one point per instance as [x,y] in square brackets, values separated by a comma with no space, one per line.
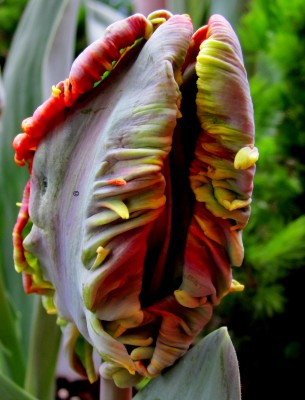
[222,192]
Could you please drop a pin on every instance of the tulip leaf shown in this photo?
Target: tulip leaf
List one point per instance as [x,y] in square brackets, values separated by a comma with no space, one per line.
[10,391]
[1,101]
[208,371]
[10,347]
[199,11]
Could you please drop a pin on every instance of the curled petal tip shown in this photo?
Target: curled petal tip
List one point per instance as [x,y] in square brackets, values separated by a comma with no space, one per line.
[236,286]
[117,206]
[124,380]
[101,255]
[246,157]
[48,304]
[188,301]
[27,124]
[19,162]
[134,340]
[55,91]
[152,371]
[142,353]
[236,204]
[159,14]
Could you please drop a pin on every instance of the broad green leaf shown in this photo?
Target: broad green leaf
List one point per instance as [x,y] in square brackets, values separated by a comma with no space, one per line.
[98,17]
[1,101]
[10,391]
[10,345]
[209,371]
[199,11]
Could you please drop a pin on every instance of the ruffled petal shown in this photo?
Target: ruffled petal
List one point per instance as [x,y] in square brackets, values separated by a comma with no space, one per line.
[222,189]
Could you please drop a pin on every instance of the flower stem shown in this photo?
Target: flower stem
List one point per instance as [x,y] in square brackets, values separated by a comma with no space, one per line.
[109,391]
[43,351]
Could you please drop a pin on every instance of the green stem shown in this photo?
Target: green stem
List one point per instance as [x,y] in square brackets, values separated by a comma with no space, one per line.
[109,391]
[10,339]
[43,351]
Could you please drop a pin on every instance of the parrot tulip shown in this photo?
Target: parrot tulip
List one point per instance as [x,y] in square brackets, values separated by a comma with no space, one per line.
[141,170]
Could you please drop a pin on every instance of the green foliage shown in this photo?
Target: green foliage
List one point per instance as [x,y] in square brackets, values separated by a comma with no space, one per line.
[11,355]
[10,12]
[285,250]
[125,6]
[10,391]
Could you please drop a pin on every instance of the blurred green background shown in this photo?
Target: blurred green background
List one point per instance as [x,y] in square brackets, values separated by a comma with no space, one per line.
[265,320]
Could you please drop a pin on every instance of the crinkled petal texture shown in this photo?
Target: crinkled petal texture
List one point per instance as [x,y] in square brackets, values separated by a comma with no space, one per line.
[135,255]
[222,186]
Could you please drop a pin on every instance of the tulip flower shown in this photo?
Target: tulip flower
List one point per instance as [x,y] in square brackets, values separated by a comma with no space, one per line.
[141,173]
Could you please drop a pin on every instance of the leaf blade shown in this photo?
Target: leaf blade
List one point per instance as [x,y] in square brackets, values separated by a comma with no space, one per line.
[10,391]
[215,363]
[9,338]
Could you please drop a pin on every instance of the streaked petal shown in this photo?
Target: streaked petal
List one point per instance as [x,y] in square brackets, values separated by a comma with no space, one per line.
[223,192]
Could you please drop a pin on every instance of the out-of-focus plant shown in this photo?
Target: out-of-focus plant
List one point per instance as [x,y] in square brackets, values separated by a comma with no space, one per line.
[1,101]
[199,10]
[10,11]
[44,59]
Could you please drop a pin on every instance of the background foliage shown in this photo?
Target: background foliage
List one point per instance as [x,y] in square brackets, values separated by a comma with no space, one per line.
[10,11]
[265,320]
